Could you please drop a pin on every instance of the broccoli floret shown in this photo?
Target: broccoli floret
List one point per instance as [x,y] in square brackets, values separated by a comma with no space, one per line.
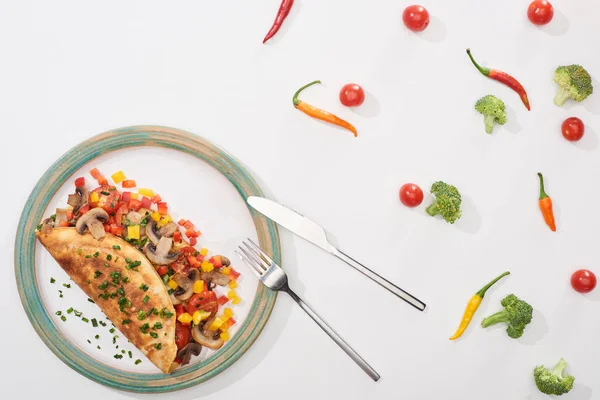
[493,110]
[447,202]
[517,314]
[552,381]
[574,82]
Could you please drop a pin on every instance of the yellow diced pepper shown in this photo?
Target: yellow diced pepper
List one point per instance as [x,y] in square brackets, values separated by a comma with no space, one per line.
[228,312]
[199,316]
[225,336]
[172,284]
[198,286]
[118,177]
[224,327]
[134,196]
[164,220]
[146,192]
[155,216]
[232,294]
[216,324]
[185,318]
[225,270]
[236,300]
[94,197]
[206,266]
[204,251]
[232,284]
[133,231]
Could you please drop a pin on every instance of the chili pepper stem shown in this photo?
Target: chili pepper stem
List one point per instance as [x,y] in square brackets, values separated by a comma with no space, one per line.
[484,289]
[295,98]
[483,70]
[543,194]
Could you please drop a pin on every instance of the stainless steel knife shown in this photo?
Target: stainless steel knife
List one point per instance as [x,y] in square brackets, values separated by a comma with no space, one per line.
[310,231]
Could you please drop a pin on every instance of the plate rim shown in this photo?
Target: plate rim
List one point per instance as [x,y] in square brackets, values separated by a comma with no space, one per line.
[24,259]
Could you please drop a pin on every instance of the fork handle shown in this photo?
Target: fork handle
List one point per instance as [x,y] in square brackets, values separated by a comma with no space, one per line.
[336,338]
[404,295]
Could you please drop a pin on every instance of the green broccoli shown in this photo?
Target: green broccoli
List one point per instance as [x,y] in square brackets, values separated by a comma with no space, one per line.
[493,111]
[574,82]
[447,202]
[517,314]
[552,381]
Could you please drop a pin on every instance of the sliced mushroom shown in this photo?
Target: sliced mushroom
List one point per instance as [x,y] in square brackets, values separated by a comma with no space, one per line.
[206,338]
[61,216]
[225,261]
[190,349]
[79,199]
[92,221]
[160,254]
[47,226]
[134,218]
[174,299]
[186,284]
[215,276]
[155,234]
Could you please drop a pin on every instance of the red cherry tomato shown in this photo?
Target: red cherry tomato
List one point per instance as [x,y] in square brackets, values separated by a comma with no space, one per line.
[206,301]
[411,195]
[416,18]
[540,12]
[572,129]
[352,95]
[583,281]
[182,335]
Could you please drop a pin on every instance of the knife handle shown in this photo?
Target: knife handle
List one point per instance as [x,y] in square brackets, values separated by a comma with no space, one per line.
[404,295]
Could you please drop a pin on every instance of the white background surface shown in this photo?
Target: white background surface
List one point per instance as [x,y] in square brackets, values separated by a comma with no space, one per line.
[72,69]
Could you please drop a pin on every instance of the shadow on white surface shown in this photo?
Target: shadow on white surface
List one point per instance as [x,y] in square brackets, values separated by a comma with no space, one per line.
[289,21]
[536,330]
[435,32]
[579,392]
[593,296]
[512,124]
[470,221]
[370,108]
[558,26]
[592,103]
[589,141]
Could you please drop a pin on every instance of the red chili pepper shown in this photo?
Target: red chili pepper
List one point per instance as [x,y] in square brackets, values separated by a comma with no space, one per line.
[502,77]
[284,10]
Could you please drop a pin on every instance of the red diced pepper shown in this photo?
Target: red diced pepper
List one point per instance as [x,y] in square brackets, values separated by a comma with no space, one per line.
[177,237]
[80,181]
[200,257]
[146,202]
[191,233]
[95,173]
[216,261]
[135,204]
[163,269]
[102,181]
[64,224]
[178,267]
[128,183]
[193,241]
[181,222]
[231,322]
[106,227]
[223,300]
[179,309]
[126,196]
[233,274]
[83,209]
[188,250]
[69,215]
[205,286]
[116,230]
[188,224]
[122,209]
[156,198]
[192,260]
[162,207]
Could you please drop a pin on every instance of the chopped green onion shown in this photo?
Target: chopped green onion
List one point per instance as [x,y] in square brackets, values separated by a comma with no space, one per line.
[94,323]
[118,356]
[170,291]
[126,321]
[121,291]
[116,247]
[144,287]
[158,346]
[89,341]
[88,256]
[84,319]
[102,323]
[115,339]
[97,337]
[144,328]
[103,286]
[63,318]
[125,279]
[141,315]
[109,257]
[154,334]
[145,300]
[99,348]
[79,251]
[157,325]
[106,265]
[112,330]
[104,296]
[52,280]
[91,301]
[130,354]
[196,253]
[97,274]
[58,312]
[70,310]
[77,313]
[138,361]
[67,285]
[104,193]
[164,313]
[96,254]
[122,351]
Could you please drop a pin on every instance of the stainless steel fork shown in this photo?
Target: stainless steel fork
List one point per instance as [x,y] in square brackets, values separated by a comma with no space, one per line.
[273,277]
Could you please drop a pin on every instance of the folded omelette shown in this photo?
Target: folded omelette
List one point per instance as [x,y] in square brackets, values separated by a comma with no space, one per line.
[123,283]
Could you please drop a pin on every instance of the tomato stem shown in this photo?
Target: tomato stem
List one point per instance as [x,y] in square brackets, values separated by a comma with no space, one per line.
[483,70]
[295,99]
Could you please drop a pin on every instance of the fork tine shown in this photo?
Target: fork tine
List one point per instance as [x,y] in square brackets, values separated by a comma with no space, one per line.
[262,253]
[252,256]
[249,263]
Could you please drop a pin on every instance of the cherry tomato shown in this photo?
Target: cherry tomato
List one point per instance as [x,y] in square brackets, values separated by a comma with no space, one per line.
[416,18]
[583,281]
[411,195]
[572,129]
[182,335]
[108,198]
[540,12]
[352,95]
[206,301]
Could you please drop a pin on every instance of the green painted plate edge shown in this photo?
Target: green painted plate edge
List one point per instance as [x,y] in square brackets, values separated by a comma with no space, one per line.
[33,211]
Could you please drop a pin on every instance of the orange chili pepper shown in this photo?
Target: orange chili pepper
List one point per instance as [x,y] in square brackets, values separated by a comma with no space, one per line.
[320,114]
[546,206]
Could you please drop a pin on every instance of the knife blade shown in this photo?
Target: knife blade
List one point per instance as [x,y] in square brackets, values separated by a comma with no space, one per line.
[315,234]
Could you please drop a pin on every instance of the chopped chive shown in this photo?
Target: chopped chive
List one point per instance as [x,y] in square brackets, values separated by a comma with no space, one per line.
[144,328]
[63,318]
[104,296]
[118,356]
[122,351]
[96,254]
[99,348]
[138,361]
[91,301]
[77,313]
[128,260]
[158,346]
[105,193]
[106,265]
[109,257]
[70,310]
[88,256]
[170,291]
[117,346]
[126,321]
[141,315]
[144,287]
[97,337]
[164,313]
[121,291]
[196,253]
[115,275]
[103,286]
[52,280]
[67,285]
[166,278]
[58,313]
[102,323]
[84,319]
[79,251]
[154,334]
[112,330]
[130,354]
[89,341]
[116,247]
[94,323]
[115,339]
[89,281]
[125,279]
[145,300]
[97,274]
[157,325]
[60,295]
